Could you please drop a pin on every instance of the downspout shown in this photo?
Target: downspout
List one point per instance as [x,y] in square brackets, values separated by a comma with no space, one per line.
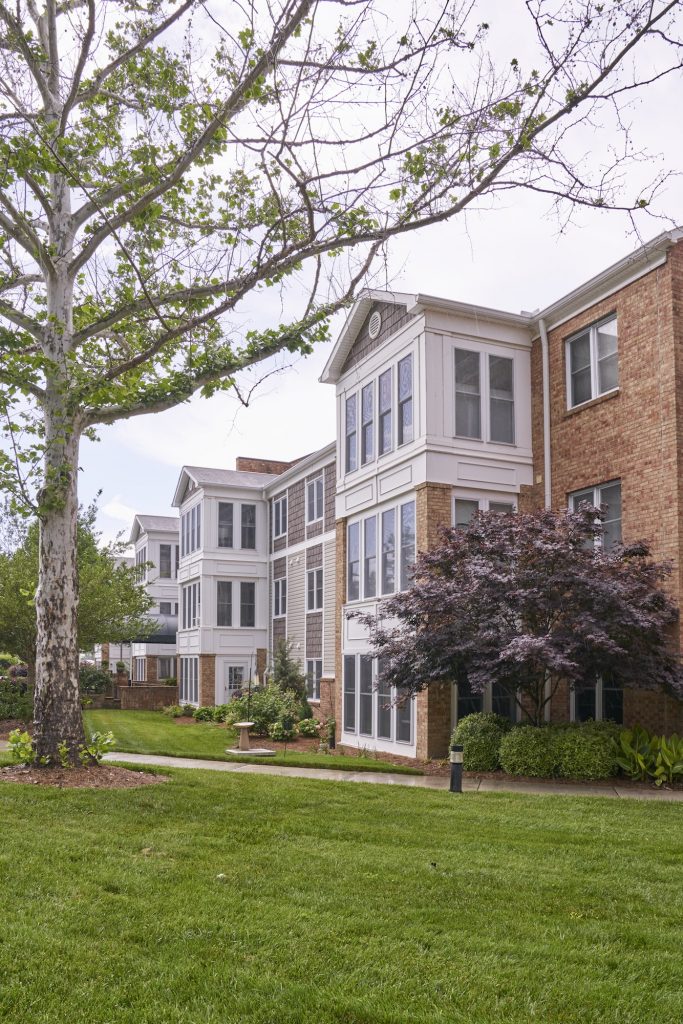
[547,488]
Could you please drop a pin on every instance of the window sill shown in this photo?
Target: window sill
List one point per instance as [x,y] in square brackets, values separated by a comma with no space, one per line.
[614,393]
[314,522]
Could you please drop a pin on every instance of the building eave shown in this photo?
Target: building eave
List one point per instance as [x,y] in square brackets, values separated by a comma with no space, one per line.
[357,314]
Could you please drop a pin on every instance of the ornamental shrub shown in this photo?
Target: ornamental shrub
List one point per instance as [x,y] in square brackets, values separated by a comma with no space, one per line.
[172,711]
[480,735]
[264,708]
[16,700]
[530,750]
[309,727]
[284,730]
[586,751]
[203,714]
[93,680]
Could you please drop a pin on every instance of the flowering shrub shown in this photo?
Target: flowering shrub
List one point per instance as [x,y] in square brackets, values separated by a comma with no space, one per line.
[264,708]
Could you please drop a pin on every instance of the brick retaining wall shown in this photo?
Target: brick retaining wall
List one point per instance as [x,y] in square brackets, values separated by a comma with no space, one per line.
[147,698]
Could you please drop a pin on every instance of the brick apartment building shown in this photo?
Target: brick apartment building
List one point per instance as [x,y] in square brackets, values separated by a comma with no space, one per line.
[442,408]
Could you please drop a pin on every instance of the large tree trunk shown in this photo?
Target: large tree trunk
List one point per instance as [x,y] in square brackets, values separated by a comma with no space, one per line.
[57,708]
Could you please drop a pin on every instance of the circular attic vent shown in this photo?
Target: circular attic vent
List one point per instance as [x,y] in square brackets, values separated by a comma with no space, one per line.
[375,324]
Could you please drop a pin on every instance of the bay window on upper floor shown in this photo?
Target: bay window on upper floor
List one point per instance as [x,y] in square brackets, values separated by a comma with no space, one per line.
[379,417]
[592,362]
[484,396]
[191,605]
[191,530]
[248,523]
[379,542]
[367,435]
[405,400]
[225,524]
[384,413]
[351,435]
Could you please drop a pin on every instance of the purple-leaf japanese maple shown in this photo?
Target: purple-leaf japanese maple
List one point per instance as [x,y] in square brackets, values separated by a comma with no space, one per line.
[526,601]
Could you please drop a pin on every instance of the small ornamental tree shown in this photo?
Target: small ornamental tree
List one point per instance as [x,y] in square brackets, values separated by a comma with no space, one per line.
[527,601]
[286,673]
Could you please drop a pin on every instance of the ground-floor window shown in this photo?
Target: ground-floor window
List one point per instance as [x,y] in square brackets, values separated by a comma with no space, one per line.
[314,670]
[189,680]
[165,668]
[494,698]
[601,701]
[372,707]
[138,670]
[233,681]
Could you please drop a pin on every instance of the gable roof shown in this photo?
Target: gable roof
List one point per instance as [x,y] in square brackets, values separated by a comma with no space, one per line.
[354,321]
[207,476]
[148,524]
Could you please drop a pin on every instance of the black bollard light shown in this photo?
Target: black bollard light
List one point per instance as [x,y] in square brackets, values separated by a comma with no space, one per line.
[456,769]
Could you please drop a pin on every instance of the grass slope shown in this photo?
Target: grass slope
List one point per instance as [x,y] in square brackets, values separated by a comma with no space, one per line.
[340,905]
[149,732]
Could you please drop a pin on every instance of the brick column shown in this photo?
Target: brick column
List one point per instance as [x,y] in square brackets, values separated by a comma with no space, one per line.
[151,670]
[432,510]
[207,680]
[328,701]
[340,584]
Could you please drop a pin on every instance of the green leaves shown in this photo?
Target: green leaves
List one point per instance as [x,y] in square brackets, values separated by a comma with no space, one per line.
[642,756]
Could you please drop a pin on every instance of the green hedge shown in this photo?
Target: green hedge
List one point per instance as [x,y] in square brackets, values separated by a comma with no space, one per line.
[529,750]
[571,751]
[480,735]
[16,700]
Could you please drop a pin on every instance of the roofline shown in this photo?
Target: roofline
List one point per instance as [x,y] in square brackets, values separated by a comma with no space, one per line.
[423,302]
[177,502]
[636,264]
[355,318]
[303,464]
[142,529]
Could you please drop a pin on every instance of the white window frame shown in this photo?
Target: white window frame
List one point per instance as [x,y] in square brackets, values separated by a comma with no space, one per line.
[191,595]
[599,702]
[226,625]
[484,356]
[241,584]
[188,688]
[280,517]
[596,489]
[377,514]
[191,530]
[317,591]
[314,671]
[171,660]
[592,330]
[355,731]
[483,501]
[487,704]
[280,597]
[317,487]
[243,526]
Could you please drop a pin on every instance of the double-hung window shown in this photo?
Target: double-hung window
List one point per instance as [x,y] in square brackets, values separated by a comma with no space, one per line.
[314,500]
[192,607]
[314,590]
[353,562]
[351,434]
[247,604]
[191,530]
[407,543]
[592,367]
[501,400]
[279,597]
[165,607]
[608,495]
[479,417]
[165,568]
[389,551]
[225,524]
[367,435]
[405,400]
[384,431]
[280,517]
[467,394]
[248,523]
[370,557]
[224,603]
[314,670]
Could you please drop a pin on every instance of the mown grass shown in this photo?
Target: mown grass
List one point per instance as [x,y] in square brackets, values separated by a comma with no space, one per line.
[150,732]
[342,904]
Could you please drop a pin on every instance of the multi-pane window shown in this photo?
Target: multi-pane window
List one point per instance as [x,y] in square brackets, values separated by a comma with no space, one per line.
[234,681]
[138,670]
[609,496]
[367,433]
[314,670]
[370,557]
[353,562]
[164,608]
[165,567]
[495,698]
[247,604]
[405,400]
[279,597]
[464,509]
[351,434]
[191,598]
[501,400]
[388,519]
[191,530]
[376,545]
[384,440]
[248,521]
[599,700]
[223,603]
[592,367]
[140,559]
[372,706]
[225,524]
[467,394]
[189,681]
[165,668]
[407,542]
[280,517]
[314,500]
[314,590]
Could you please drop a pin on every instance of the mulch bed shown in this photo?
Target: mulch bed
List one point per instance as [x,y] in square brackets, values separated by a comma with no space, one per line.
[94,777]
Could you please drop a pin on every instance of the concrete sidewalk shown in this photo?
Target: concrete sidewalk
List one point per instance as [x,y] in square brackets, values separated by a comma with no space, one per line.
[395,779]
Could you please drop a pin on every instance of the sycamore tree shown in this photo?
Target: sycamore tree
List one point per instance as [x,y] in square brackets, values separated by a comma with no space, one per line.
[162,162]
[113,603]
[527,601]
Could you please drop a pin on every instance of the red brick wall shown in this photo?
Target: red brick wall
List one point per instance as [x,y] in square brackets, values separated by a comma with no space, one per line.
[207,680]
[245,464]
[147,698]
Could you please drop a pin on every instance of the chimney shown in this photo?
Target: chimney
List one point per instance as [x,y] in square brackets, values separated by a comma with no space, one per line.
[244,464]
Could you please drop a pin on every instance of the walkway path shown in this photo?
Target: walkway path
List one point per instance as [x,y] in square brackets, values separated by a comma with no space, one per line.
[396,779]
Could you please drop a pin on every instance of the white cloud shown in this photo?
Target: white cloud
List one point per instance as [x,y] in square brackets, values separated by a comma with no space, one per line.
[118,510]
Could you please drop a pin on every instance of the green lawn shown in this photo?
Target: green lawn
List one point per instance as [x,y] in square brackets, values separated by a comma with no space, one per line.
[344,904]
[150,732]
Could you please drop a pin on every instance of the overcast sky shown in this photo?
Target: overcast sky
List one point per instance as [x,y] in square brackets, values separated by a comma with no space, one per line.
[513,255]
